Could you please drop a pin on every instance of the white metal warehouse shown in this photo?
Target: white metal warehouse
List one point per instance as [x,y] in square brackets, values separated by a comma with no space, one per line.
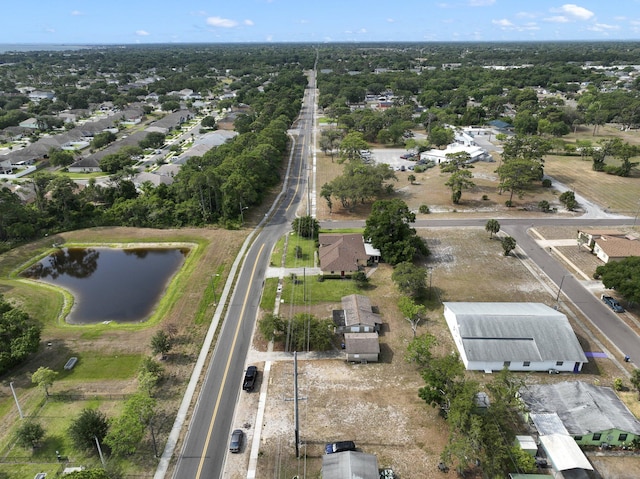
[519,336]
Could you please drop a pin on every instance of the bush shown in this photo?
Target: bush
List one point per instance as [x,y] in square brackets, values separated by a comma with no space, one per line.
[508,203]
[424,209]
[544,206]
[618,384]
[546,183]
[485,197]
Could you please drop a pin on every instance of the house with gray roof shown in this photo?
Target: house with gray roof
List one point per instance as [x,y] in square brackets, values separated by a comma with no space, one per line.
[591,415]
[518,336]
[85,165]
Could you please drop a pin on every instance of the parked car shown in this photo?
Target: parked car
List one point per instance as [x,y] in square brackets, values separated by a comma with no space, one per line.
[340,446]
[237,438]
[250,378]
[612,303]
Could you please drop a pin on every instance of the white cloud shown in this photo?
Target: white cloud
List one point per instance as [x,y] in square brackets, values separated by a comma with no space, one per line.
[76,13]
[221,22]
[557,19]
[481,3]
[248,22]
[525,15]
[49,30]
[142,33]
[573,10]
[503,22]
[390,20]
[603,27]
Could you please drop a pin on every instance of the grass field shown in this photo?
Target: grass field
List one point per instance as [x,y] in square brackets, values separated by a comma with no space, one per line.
[109,355]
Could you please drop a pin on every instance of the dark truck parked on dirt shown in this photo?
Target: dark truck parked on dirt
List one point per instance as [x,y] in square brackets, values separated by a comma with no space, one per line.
[612,303]
[250,378]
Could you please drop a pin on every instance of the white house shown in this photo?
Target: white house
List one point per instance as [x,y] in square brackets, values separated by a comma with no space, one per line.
[519,336]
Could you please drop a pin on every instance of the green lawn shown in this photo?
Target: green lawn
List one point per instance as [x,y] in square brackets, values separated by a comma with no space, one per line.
[308,290]
[96,367]
[307,249]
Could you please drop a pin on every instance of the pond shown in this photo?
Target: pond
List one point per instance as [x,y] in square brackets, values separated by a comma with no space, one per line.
[110,284]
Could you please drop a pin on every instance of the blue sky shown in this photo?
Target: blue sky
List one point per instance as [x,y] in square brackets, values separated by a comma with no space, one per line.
[169,21]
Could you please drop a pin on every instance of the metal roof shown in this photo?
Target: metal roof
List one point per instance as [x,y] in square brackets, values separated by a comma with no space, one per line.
[564,453]
[515,332]
[350,465]
[582,407]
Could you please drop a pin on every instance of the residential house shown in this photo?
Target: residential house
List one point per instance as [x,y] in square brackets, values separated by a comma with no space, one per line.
[609,245]
[85,165]
[350,465]
[591,415]
[360,325]
[518,336]
[357,315]
[341,254]
[30,123]
[362,347]
[154,179]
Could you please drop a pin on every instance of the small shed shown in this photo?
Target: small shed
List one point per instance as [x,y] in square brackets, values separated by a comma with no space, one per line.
[527,444]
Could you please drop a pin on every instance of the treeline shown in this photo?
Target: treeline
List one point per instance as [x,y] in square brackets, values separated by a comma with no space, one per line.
[212,189]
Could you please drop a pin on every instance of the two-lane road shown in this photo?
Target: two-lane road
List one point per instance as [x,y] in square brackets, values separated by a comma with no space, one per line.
[207,440]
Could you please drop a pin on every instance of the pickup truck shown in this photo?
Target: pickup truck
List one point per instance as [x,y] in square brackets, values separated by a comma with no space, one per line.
[250,378]
[612,303]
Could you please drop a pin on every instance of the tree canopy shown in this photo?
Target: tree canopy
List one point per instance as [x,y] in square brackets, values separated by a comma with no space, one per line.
[19,336]
[623,276]
[388,230]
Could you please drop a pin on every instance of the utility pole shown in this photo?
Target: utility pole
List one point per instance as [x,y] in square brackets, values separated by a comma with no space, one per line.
[100,451]
[560,289]
[295,402]
[15,397]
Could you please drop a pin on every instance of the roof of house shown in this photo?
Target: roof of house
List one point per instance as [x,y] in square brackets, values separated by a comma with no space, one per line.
[361,343]
[582,407]
[515,332]
[548,423]
[156,180]
[341,252]
[88,162]
[357,310]
[600,232]
[619,247]
[351,465]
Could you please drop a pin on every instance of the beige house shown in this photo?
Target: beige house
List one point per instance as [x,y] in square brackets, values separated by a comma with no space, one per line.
[341,254]
[609,245]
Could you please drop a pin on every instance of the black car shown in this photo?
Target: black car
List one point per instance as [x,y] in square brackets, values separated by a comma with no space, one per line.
[613,303]
[237,438]
[340,446]
[250,378]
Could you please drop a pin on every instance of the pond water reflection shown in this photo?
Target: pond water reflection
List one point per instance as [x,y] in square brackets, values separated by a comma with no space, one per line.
[109,284]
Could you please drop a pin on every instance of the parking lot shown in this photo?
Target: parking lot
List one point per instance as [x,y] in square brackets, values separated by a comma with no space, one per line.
[391,156]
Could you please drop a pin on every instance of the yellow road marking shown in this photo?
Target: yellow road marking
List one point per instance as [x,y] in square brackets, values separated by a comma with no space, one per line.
[226,369]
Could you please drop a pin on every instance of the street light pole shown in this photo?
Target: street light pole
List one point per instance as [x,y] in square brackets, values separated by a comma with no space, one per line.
[242,208]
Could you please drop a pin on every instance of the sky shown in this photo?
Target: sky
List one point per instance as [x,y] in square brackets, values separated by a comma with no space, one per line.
[101,22]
